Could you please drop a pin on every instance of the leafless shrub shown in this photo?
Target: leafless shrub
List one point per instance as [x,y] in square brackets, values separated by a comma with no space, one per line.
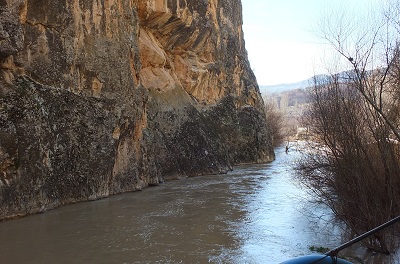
[275,123]
[354,163]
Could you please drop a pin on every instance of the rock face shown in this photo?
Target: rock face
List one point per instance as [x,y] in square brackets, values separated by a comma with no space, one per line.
[99,97]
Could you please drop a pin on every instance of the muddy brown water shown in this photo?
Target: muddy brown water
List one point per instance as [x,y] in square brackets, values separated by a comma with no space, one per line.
[254,214]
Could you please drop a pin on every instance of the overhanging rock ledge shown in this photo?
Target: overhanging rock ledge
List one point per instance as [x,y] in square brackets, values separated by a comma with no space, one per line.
[103,97]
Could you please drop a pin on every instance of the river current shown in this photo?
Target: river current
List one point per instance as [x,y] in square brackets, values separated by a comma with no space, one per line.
[254,214]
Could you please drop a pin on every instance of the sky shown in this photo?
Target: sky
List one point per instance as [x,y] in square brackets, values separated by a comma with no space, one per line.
[281,39]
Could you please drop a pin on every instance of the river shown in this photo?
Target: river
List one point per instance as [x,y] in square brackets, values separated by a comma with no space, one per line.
[254,214]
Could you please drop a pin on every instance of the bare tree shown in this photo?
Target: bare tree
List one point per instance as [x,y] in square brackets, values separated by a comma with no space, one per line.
[275,122]
[355,164]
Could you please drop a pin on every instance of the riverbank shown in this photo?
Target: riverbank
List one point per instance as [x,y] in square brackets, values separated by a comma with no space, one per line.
[254,214]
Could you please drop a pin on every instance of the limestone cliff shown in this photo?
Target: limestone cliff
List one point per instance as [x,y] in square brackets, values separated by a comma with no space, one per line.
[99,97]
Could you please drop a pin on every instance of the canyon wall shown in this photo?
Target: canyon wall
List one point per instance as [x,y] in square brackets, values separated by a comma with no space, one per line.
[99,97]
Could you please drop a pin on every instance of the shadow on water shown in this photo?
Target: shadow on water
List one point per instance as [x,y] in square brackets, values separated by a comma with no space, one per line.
[254,214]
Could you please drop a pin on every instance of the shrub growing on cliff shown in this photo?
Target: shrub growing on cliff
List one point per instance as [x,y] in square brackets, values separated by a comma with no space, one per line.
[355,163]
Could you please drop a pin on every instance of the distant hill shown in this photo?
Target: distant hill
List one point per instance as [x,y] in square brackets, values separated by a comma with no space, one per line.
[291,100]
[285,87]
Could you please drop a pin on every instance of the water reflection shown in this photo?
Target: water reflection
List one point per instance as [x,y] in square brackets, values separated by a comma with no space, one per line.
[282,221]
[255,214]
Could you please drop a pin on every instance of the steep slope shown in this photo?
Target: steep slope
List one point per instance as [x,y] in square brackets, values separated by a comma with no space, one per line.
[103,97]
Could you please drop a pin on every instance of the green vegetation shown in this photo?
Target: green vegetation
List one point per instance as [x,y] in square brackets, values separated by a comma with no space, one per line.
[319,249]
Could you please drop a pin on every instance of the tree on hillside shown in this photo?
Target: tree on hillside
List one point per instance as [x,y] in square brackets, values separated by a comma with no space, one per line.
[355,116]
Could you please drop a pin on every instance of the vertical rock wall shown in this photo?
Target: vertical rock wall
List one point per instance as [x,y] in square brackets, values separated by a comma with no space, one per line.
[99,97]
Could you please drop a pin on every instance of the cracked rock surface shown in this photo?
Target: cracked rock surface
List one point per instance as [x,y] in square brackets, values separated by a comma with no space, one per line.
[104,97]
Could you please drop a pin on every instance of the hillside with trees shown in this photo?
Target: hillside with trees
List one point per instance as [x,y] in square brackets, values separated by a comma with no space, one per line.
[290,104]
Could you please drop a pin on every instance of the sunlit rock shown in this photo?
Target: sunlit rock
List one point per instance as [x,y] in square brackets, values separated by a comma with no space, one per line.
[104,97]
